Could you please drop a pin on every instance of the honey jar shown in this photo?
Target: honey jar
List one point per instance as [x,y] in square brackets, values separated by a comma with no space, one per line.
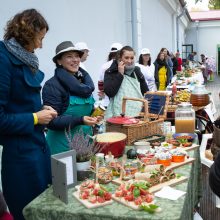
[98,111]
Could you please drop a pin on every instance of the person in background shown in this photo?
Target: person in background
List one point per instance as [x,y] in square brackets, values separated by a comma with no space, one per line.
[191,56]
[69,92]
[203,59]
[115,47]
[180,62]
[147,68]
[175,63]
[214,176]
[204,68]
[168,60]
[84,48]
[162,73]
[26,170]
[122,79]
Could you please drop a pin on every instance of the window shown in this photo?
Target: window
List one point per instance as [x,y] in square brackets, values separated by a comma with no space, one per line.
[186,50]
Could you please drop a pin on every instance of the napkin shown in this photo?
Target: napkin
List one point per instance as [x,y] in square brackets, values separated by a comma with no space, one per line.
[169,193]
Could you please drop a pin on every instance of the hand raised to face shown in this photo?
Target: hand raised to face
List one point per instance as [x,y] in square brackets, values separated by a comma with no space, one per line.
[121,67]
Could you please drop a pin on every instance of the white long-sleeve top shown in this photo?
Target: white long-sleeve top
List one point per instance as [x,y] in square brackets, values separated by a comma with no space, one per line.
[105,66]
[148,72]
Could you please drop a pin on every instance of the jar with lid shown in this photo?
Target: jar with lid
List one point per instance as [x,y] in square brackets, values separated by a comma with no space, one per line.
[199,96]
[185,118]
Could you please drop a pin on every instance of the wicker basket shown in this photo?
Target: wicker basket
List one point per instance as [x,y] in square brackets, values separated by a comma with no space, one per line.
[145,127]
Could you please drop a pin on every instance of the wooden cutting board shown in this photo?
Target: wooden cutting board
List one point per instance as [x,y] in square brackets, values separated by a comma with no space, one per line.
[127,203]
[172,166]
[176,165]
[153,189]
[89,205]
[172,182]
[194,146]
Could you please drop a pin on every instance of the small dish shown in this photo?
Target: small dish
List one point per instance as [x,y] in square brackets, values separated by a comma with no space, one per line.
[178,158]
[188,136]
[165,162]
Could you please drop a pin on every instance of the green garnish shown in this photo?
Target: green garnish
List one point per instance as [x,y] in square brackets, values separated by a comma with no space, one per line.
[178,175]
[149,208]
[101,193]
[136,192]
[142,185]
[182,140]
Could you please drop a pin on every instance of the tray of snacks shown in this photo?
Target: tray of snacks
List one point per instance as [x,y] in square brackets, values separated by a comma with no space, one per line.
[190,137]
[153,138]
[154,174]
[136,196]
[92,195]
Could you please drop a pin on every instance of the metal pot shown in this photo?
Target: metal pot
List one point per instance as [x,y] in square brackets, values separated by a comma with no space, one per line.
[113,142]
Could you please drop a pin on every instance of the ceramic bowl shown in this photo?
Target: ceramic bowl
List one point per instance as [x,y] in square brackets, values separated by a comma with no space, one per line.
[142,145]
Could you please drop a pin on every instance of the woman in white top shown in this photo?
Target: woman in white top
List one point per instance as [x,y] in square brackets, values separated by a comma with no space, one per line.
[115,47]
[147,68]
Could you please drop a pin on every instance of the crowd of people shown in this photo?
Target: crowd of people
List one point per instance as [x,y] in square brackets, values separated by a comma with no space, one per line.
[67,100]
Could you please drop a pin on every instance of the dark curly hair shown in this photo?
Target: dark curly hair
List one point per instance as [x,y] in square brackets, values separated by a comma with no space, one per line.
[24,26]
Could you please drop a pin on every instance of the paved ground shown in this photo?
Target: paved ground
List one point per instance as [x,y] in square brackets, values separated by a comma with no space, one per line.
[214,88]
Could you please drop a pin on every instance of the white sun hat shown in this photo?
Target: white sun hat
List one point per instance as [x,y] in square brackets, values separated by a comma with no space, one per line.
[145,51]
[115,47]
[82,46]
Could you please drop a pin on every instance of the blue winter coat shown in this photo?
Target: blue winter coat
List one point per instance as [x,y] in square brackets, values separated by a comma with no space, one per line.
[26,157]
[56,93]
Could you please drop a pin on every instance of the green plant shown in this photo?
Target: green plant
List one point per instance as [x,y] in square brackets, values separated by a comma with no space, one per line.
[84,145]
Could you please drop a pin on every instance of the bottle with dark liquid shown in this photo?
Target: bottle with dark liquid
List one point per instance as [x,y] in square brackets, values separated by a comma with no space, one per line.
[199,96]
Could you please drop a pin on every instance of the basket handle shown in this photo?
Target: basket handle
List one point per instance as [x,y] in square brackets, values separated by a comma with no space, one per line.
[145,103]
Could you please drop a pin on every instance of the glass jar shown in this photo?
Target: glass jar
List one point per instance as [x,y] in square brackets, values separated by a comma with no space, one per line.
[199,96]
[185,118]
[167,130]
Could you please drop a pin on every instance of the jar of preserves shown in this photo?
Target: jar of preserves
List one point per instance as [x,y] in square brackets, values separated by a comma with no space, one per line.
[185,118]
[98,111]
[199,96]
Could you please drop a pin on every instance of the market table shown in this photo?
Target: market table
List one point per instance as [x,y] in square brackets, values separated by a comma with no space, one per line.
[196,78]
[47,207]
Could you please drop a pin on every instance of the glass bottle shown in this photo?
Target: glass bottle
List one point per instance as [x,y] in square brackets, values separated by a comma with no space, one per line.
[185,118]
[199,96]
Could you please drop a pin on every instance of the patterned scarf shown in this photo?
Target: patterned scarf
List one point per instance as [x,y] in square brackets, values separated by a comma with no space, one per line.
[129,69]
[22,54]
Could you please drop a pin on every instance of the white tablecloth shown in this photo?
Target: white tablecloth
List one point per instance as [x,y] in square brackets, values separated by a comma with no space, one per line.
[196,78]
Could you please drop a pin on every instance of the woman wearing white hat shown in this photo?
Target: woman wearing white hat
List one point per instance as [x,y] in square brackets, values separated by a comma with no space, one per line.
[69,91]
[115,47]
[147,68]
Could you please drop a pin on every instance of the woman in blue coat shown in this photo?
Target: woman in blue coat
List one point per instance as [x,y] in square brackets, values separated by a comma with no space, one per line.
[26,157]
